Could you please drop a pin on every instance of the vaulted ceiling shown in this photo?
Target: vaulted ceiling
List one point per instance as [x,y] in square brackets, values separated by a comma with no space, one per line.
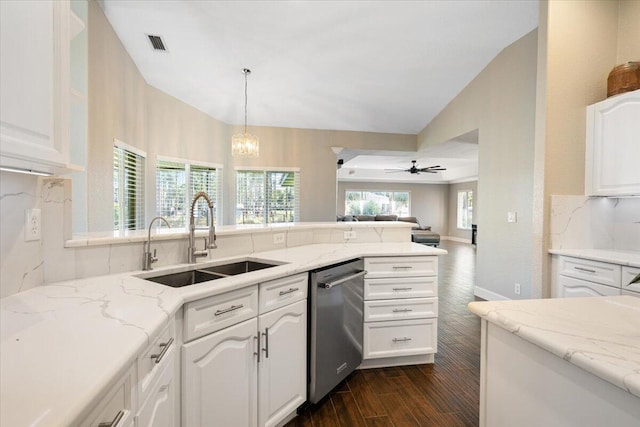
[377,66]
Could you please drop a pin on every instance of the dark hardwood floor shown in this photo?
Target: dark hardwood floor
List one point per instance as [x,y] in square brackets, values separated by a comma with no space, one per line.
[445,393]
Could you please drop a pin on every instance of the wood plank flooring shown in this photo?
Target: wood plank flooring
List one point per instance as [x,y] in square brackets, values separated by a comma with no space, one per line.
[445,393]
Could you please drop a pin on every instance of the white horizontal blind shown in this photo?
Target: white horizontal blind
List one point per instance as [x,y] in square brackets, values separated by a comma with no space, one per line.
[171,193]
[207,179]
[267,196]
[128,189]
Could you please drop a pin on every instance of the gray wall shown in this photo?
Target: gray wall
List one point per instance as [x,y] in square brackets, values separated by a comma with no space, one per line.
[452,211]
[429,202]
[500,103]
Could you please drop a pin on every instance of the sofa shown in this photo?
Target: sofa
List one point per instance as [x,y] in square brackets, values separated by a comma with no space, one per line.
[419,233]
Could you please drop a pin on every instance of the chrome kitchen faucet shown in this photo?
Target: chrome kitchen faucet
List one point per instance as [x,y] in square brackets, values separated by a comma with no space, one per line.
[147,258]
[192,252]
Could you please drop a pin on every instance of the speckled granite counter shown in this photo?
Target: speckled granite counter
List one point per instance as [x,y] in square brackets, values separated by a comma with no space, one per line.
[63,343]
[600,335]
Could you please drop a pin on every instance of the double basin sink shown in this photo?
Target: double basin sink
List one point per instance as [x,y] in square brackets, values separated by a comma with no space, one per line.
[205,274]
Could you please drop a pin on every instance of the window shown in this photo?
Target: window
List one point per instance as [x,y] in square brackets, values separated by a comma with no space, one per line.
[265,196]
[377,203]
[465,209]
[177,182]
[128,187]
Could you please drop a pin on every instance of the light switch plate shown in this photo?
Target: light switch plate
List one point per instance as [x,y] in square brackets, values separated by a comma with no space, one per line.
[278,238]
[349,234]
[512,216]
[32,225]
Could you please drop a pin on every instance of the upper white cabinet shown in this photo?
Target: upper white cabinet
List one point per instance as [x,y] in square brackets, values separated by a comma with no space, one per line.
[35,84]
[613,146]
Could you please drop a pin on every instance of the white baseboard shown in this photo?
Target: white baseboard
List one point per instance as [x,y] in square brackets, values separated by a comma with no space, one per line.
[456,239]
[488,295]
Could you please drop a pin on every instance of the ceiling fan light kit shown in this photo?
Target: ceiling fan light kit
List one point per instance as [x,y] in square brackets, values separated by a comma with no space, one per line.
[416,170]
[244,144]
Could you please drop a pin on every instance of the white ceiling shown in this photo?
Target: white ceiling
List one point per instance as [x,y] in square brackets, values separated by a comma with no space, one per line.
[459,156]
[379,66]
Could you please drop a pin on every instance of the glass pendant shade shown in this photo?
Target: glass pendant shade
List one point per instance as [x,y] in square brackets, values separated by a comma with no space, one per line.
[245,144]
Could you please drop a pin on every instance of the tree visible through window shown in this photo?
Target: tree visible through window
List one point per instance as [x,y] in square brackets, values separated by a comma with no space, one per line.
[128,188]
[264,197]
[465,209]
[377,203]
[176,185]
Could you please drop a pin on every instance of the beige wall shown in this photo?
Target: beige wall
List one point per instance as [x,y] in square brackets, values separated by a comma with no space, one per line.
[628,31]
[500,103]
[452,211]
[123,106]
[429,202]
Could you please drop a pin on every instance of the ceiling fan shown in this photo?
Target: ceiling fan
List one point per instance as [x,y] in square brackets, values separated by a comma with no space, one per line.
[416,170]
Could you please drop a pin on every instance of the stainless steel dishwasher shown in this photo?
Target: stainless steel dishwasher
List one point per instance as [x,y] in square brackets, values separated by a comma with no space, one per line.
[336,311]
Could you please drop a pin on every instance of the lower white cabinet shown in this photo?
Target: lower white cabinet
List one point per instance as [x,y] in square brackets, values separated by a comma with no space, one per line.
[579,277]
[252,373]
[219,378]
[574,288]
[282,379]
[117,406]
[160,410]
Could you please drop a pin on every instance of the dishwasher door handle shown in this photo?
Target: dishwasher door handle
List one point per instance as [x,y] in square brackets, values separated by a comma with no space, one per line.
[329,285]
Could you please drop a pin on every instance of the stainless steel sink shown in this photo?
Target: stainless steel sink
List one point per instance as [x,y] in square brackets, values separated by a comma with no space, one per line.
[200,275]
[185,278]
[238,267]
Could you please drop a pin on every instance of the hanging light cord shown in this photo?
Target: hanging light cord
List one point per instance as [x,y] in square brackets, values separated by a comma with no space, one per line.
[246,72]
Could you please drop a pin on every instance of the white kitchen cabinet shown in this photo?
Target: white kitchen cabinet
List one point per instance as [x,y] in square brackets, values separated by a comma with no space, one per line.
[629,281]
[159,409]
[35,85]
[400,310]
[579,277]
[117,407]
[220,381]
[613,146]
[282,380]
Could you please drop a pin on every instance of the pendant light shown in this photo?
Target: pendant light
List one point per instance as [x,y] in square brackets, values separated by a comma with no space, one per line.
[245,144]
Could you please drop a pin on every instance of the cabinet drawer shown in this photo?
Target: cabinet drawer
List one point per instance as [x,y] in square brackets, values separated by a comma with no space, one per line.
[570,287]
[628,275]
[152,362]
[409,266]
[117,405]
[593,271]
[400,338]
[410,308]
[281,292]
[631,294]
[409,287]
[219,311]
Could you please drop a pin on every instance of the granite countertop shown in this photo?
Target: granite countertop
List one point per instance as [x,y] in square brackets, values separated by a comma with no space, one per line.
[64,343]
[629,258]
[598,334]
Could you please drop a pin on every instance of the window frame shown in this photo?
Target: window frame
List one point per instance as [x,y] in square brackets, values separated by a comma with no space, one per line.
[391,199]
[464,213]
[217,199]
[140,185]
[265,172]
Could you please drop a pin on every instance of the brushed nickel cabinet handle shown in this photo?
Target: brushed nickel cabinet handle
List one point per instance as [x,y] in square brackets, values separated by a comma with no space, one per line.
[266,342]
[115,421]
[288,291]
[401,310]
[402,289]
[635,279]
[227,310]
[402,267]
[257,353]
[329,285]
[588,270]
[165,348]
[403,339]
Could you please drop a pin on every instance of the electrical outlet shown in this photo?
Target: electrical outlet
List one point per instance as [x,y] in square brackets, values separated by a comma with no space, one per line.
[278,238]
[512,216]
[32,225]
[349,234]
[516,289]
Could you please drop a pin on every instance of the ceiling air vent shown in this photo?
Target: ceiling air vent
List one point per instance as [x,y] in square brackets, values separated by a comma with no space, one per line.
[157,43]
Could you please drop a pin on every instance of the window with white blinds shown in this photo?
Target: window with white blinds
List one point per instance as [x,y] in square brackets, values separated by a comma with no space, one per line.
[176,185]
[267,196]
[128,187]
